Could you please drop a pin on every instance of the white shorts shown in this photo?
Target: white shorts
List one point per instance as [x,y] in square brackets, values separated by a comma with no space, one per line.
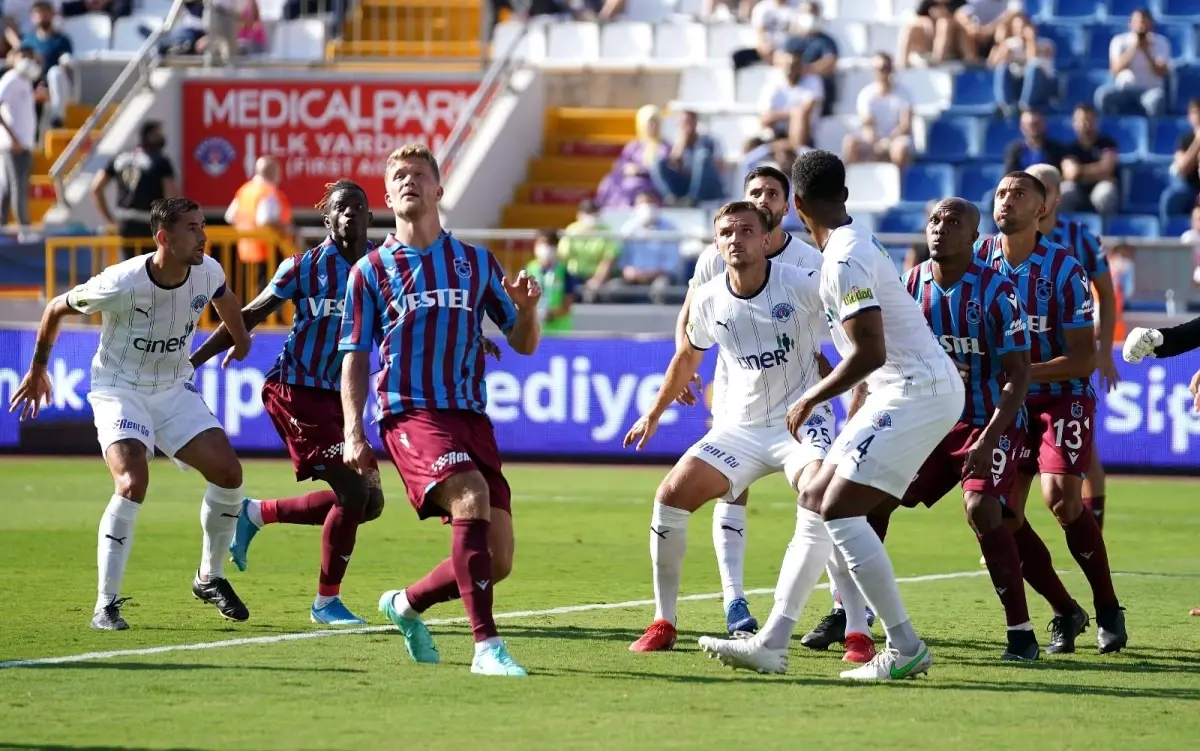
[168,419]
[746,455]
[888,440]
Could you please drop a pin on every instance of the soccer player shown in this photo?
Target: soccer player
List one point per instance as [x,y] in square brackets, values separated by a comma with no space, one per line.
[421,298]
[1088,250]
[768,189]
[142,397]
[301,394]
[915,396]
[1061,403]
[765,317]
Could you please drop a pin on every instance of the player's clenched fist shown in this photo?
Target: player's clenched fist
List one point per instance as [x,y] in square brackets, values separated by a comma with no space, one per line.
[524,290]
[358,455]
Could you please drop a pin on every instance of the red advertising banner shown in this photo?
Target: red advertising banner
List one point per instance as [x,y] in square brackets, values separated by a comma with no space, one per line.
[320,131]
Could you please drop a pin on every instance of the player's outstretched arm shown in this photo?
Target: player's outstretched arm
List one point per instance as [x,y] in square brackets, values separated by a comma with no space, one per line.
[865,331]
[1179,339]
[683,366]
[229,310]
[34,389]
[356,371]
[1106,308]
[259,309]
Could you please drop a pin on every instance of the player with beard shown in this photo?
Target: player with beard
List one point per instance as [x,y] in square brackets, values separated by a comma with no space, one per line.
[1061,403]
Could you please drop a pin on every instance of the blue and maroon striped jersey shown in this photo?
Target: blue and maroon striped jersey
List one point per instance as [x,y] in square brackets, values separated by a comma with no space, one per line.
[1087,248]
[1057,295]
[424,308]
[977,320]
[315,282]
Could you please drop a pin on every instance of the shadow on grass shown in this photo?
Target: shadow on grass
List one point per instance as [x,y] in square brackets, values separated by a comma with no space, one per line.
[45,747]
[168,667]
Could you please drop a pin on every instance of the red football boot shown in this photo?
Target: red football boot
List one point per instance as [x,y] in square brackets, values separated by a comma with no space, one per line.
[658,638]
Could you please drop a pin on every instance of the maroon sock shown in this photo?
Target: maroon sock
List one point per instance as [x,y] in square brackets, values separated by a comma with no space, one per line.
[436,587]
[1095,505]
[1004,564]
[1038,569]
[310,508]
[1087,545]
[337,543]
[472,563]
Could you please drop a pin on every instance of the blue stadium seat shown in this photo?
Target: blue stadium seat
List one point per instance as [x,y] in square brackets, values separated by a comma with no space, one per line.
[1132,134]
[1125,8]
[1176,226]
[1075,10]
[1133,225]
[973,92]
[1185,83]
[1091,221]
[1183,39]
[901,222]
[1099,38]
[1068,44]
[953,138]
[998,133]
[1143,186]
[1184,11]
[925,181]
[979,179]
[1164,136]
[1058,128]
[1081,85]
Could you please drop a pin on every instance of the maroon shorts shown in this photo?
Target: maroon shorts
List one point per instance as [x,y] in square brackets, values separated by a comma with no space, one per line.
[1061,434]
[430,446]
[310,422]
[946,468]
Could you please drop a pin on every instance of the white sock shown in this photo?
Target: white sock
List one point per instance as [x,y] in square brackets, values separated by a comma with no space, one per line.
[871,570]
[218,518]
[668,543]
[803,563]
[486,644]
[833,587]
[1026,626]
[402,606]
[321,601]
[729,540]
[113,544]
[254,513]
[854,604]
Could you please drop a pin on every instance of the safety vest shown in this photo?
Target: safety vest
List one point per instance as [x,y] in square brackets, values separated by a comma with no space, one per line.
[244,218]
[1119,299]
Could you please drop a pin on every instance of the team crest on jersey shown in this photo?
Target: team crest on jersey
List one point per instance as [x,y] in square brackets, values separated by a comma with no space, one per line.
[462,267]
[974,311]
[191,387]
[1077,410]
[214,155]
[881,421]
[1003,444]
[198,303]
[1043,289]
[815,421]
[782,312]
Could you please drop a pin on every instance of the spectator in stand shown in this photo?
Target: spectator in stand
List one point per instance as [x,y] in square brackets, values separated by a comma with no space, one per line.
[1024,68]
[18,131]
[258,205]
[114,9]
[143,175]
[645,260]
[690,173]
[1089,167]
[985,23]
[722,11]
[817,51]
[886,115]
[934,35]
[630,175]
[591,260]
[772,24]
[790,102]
[1192,237]
[558,284]
[55,50]
[187,36]
[1139,62]
[1121,266]
[1181,194]
[1033,147]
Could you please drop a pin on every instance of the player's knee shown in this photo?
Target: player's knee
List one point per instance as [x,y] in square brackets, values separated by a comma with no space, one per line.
[466,496]
[502,564]
[983,512]
[132,484]
[1065,508]
[226,475]
[374,507]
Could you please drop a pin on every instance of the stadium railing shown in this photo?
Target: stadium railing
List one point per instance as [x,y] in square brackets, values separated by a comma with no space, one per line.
[72,260]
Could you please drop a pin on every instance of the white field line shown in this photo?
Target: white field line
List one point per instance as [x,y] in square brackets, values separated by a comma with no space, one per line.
[319,634]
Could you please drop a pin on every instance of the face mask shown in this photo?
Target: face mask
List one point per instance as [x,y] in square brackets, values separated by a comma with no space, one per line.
[155,143]
[587,220]
[544,253]
[805,23]
[29,68]
[646,212]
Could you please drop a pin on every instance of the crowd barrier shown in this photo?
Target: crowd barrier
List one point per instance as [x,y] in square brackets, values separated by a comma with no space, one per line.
[574,399]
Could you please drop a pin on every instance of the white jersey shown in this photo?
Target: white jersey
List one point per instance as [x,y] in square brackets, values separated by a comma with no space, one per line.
[859,275]
[710,264]
[147,330]
[768,341]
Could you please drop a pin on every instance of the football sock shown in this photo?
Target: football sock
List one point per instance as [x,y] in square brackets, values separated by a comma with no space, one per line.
[833,589]
[438,586]
[1086,544]
[853,603]
[310,509]
[337,543]
[871,570]
[1038,569]
[1004,565]
[253,511]
[218,518]
[1095,505]
[472,562]
[113,544]
[668,543]
[321,601]
[805,559]
[729,540]
[401,604]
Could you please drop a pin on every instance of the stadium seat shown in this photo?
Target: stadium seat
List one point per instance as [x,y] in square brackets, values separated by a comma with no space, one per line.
[1132,225]
[973,92]
[1132,134]
[626,40]
[1176,226]
[687,220]
[858,10]
[706,85]
[1093,222]
[300,40]
[1185,83]
[927,181]
[89,33]
[269,11]
[883,37]
[850,82]
[872,187]
[1182,39]
[750,81]
[831,132]
[1058,128]
[726,38]
[903,9]
[1182,11]
[1164,136]
[1075,10]
[1143,186]
[1081,85]
[978,180]
[130,33]
[1099,37]
[572,41]
[1124,8]
[897,221]
[1036,9]
[531,47]
[954,137]
[998,133]
[731,131]
[647,11]
[851,37]
[930,89]
[684,42]
[1068,44]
